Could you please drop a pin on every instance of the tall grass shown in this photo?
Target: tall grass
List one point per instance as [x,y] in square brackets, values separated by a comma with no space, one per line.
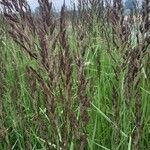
[80,81]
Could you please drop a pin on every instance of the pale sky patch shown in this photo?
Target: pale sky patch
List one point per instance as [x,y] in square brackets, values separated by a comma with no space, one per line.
[57,3]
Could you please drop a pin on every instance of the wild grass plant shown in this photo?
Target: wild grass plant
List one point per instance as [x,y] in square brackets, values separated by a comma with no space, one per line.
[77,81]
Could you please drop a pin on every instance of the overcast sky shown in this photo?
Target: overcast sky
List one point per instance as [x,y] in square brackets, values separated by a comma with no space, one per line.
[57,3]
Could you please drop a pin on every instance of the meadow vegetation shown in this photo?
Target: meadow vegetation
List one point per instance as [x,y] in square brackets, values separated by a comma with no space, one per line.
[78,80]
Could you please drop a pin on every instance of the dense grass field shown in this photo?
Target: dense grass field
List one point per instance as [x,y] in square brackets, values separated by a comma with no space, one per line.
[80,80]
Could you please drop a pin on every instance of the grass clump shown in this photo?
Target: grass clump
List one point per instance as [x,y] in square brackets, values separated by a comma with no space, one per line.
[79,81]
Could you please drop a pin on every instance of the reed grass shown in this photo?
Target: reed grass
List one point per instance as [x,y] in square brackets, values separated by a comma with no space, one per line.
[80,81]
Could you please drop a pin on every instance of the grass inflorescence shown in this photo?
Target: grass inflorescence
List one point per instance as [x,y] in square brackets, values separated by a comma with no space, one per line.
[76,80]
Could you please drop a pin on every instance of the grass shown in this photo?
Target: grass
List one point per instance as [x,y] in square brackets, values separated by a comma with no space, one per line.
[79,97]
